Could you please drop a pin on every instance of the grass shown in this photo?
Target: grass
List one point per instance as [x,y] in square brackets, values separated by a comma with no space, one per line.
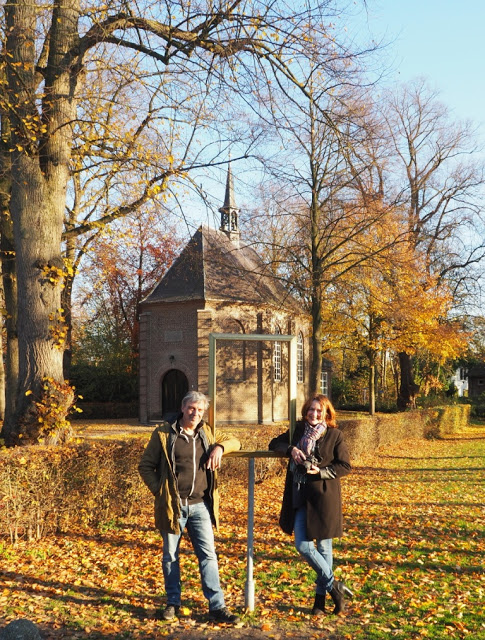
[412,552]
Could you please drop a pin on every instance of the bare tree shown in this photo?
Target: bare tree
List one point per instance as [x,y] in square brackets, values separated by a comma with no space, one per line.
[332,200]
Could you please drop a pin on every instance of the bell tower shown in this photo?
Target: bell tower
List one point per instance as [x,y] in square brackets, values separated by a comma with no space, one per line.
[229,211]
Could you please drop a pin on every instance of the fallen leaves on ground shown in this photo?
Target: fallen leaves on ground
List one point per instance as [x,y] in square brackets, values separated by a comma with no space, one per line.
[412,553]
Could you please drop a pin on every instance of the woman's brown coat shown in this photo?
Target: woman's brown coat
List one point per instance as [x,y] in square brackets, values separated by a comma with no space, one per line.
[323,497]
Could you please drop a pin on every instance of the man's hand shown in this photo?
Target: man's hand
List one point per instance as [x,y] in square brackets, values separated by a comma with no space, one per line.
[215,457]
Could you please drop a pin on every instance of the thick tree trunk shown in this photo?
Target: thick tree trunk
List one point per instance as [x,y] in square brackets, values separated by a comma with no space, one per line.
[408,389]
[40,173]
[39,274]
[9,279]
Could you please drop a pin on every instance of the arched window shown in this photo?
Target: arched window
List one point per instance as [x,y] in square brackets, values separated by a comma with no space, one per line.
[277,358]
[300,362]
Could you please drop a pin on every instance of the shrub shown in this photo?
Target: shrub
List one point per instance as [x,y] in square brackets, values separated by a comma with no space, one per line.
[48,489]
[446,420]
[253,438]
[103,384]
[44,489]
[364,433]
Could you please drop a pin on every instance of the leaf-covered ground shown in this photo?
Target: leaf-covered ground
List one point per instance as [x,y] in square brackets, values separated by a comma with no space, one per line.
[412,553]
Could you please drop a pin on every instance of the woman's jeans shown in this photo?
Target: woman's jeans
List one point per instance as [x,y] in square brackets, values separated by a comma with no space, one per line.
[319,556]
[196,518]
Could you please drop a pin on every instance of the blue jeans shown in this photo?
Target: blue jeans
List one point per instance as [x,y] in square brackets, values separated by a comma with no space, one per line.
[196,518]
[319,556]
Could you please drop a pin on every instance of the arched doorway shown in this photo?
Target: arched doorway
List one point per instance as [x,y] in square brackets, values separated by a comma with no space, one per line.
[174,387]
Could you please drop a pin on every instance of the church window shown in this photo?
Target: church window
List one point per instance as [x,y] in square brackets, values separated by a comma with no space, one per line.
[277,358]
[324,382]
[299,358]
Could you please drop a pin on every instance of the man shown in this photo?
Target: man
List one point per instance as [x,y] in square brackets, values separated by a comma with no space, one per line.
[179,466]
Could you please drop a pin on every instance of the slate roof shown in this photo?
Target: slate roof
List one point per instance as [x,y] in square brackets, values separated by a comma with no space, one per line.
[212,267]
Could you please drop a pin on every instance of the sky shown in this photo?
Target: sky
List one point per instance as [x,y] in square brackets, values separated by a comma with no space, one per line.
[442,40]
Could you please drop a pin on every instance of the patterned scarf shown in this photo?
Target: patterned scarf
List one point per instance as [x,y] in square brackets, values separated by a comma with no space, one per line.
[310,435]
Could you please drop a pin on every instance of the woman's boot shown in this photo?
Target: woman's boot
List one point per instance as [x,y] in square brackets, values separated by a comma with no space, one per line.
[319,605]
[338,592]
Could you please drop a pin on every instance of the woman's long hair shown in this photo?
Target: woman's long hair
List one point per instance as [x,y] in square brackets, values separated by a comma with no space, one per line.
[328,410]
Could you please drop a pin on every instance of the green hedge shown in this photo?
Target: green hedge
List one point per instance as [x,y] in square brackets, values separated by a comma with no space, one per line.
[364,434]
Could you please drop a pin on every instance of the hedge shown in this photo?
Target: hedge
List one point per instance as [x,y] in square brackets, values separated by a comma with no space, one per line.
[45,489]
[365,434]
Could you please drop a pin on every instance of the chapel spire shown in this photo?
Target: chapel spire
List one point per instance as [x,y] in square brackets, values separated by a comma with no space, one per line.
[229,211]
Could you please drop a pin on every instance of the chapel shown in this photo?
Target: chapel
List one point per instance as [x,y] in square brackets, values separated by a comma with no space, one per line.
[219,284]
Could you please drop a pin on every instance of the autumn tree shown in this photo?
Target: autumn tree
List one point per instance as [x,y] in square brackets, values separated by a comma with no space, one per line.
[48,56]
[122,266]
[139,138]
[437,163]
[390,304]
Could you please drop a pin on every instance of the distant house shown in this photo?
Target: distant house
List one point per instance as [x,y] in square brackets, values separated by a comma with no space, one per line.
[218,284]
[460,381]
[476,380]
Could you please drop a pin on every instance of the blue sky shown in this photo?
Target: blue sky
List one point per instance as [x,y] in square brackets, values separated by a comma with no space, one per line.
[443,41]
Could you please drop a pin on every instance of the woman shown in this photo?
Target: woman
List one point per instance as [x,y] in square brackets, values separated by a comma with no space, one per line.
[312,505]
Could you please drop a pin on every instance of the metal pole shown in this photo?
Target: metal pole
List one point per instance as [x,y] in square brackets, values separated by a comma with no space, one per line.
[213,337]
[249,589]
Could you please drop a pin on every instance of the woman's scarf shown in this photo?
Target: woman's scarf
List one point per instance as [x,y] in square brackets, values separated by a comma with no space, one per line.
[310,435]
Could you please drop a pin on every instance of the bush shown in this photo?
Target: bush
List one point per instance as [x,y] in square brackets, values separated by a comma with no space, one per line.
[102,384]
[364,434]
[253,438]
[446,420]
[44,489]
[48,489]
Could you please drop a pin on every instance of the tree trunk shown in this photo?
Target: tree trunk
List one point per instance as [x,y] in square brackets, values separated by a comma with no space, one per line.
[316,363]
[408,389]
[372,382]
[9,279]
[66,298]
[9,283]
[39,266]
[40,172]
[2,383]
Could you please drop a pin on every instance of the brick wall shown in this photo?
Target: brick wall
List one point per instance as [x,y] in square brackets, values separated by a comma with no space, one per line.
[176,335]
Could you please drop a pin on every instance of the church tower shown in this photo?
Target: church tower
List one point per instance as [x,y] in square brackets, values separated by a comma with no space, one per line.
[229,211]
